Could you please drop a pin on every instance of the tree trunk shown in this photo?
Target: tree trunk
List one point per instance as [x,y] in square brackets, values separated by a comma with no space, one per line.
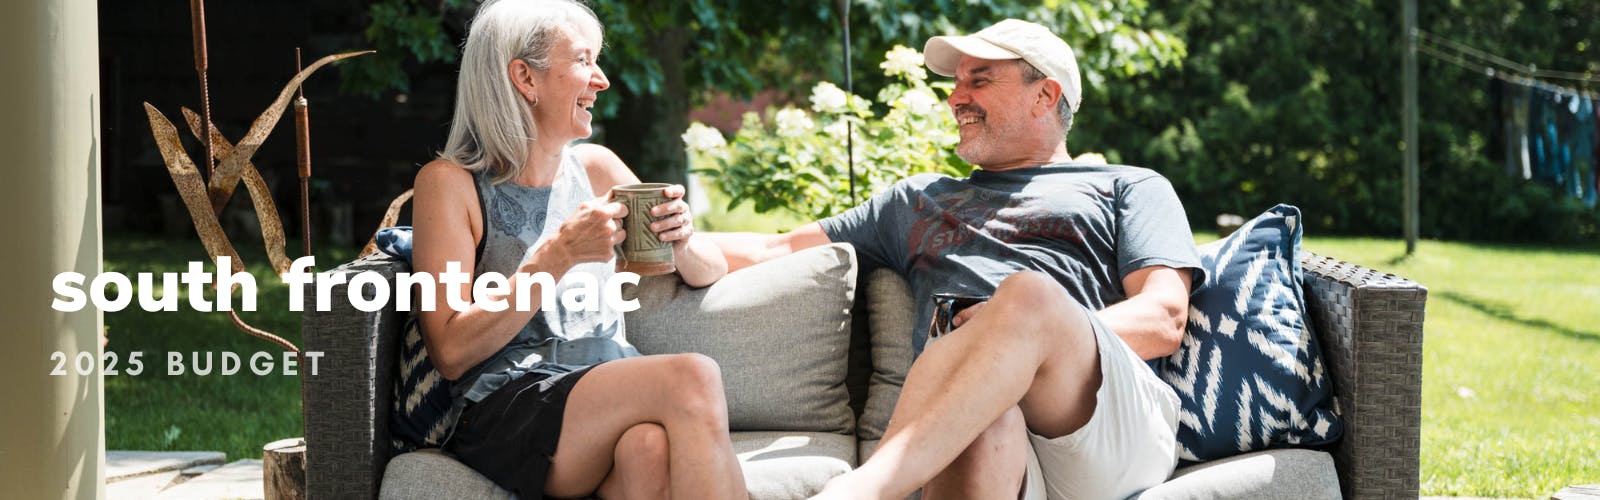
[646,131]
[283,469]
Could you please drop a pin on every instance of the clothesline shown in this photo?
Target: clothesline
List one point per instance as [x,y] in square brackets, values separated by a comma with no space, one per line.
[1530,70]
[1517,79]
[1507,70]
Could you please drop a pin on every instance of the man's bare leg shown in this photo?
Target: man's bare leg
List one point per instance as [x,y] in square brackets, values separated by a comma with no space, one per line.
[1031,347]
[992,467]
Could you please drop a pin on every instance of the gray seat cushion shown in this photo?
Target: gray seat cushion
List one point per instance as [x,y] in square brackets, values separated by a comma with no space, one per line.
[777,466]
[791,465]
[1284,473]
[429,474]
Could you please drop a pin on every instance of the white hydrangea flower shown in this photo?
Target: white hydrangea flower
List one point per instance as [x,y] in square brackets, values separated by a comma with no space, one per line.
[1091,158]
[837,129]
[902,60]
[919,102]
[793,122]
[700,137]
[828,98]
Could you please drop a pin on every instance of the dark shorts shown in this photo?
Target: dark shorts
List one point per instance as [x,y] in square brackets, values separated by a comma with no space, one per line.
[511,435]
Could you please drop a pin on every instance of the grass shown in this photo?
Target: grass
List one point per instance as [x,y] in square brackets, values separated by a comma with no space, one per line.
[1511,371]
[1511,362]
[235,414]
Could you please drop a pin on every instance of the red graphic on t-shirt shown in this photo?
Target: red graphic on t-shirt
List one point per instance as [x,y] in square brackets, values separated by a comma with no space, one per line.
[964,215]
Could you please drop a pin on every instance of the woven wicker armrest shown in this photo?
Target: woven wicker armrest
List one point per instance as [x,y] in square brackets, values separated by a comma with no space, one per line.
[1370,325]
[347,403]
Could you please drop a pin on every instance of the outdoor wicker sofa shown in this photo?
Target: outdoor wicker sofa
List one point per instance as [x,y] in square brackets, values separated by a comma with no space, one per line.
[1370,325]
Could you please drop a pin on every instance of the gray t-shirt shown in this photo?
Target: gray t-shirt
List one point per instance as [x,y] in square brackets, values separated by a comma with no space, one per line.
[1085,225]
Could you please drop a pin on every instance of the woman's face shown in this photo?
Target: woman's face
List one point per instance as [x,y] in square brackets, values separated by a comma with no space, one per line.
[568,89]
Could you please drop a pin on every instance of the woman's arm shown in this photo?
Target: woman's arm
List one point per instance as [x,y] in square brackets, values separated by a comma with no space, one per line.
[699,262]
[447,219]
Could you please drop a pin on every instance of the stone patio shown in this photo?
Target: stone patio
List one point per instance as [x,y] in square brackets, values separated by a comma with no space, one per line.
[180,475]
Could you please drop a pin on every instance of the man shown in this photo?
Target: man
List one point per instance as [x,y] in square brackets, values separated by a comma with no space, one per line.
[1041,390]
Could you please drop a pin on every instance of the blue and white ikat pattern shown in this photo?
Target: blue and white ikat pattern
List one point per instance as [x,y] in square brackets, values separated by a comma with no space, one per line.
[1249,373]
[423,412]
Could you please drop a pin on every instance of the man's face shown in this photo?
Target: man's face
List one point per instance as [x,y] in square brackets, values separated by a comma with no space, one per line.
[991,106]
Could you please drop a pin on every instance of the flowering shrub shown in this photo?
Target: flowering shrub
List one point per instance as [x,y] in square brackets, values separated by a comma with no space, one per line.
[797,161]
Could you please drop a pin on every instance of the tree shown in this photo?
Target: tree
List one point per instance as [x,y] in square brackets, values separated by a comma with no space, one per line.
[664,57]
[1299,102]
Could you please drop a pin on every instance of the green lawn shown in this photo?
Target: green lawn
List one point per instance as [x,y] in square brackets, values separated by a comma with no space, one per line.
[236,414]
[1511,362]
[1511,377]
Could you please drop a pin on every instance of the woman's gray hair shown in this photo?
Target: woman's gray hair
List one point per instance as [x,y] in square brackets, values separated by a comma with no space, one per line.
[493,124]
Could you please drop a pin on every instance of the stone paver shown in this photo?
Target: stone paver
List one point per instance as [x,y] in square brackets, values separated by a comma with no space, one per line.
[238,479]
[122,465]
[140,487]
[200,469]
[1584,492]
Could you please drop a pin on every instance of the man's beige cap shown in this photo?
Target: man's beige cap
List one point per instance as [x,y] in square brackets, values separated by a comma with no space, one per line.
[1011,39]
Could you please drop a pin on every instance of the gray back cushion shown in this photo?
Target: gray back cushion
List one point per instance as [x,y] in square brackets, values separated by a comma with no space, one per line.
[889,311]
[780,330]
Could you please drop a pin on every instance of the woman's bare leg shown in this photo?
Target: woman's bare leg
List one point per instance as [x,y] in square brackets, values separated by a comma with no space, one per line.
[682,393]
[639,465]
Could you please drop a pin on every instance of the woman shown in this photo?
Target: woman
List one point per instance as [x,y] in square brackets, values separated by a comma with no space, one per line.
[556,402]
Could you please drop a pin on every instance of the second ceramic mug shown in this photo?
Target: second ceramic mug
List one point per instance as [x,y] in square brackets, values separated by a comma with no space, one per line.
[642,251]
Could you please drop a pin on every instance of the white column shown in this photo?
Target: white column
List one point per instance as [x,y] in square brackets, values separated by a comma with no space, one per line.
[52,435]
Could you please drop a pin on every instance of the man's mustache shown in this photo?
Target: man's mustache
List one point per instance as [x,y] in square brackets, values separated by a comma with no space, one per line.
[966,108]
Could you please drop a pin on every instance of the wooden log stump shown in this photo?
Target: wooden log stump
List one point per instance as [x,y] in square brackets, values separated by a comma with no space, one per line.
[283,469]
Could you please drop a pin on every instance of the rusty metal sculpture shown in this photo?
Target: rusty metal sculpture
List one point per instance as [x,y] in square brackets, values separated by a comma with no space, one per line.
[204,199]
[206,191]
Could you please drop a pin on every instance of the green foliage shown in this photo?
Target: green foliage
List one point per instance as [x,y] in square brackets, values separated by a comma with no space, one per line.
[801,165]
[807,173]
[401,31]
[663,57]
[1300,103]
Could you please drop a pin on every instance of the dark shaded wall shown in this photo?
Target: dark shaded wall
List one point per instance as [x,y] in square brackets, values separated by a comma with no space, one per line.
[364,151]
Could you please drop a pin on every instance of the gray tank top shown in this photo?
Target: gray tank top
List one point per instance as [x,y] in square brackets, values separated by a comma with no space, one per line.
[517,220]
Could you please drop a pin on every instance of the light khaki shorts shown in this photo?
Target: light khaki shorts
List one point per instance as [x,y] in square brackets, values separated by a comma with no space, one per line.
[1129,443]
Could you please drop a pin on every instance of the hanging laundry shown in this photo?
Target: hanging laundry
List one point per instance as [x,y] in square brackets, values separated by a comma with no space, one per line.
[1563,121]
[1538,127]
[1581,150]
[1518,157]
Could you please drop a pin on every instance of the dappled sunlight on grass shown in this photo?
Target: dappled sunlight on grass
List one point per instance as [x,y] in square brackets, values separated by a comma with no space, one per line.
[1511,362]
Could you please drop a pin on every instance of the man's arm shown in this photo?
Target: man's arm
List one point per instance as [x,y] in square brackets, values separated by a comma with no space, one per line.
[747,249]
[1152,319]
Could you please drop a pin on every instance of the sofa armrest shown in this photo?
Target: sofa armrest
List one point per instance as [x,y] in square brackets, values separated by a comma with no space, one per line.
[347,404]
[1370,325]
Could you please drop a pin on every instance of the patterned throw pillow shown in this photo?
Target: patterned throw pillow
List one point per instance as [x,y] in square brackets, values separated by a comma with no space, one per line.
[1249,373]
[421,416]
